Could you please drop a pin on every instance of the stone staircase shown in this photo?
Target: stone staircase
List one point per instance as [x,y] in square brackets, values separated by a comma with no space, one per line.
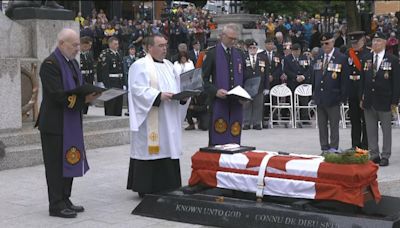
[23,146]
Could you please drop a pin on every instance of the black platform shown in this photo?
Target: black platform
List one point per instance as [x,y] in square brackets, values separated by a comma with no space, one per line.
[24,13]
[226,208]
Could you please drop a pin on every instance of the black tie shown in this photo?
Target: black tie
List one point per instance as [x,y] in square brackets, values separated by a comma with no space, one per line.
[254,62]
[74,75]
[375,65]
[325,62]
[228,51]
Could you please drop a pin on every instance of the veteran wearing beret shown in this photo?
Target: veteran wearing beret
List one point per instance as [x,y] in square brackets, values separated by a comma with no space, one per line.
[354,56]
[328,75]
[380,97]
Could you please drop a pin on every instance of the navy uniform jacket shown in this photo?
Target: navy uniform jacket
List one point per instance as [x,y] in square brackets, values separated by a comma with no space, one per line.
[383,90]
[354,87]
[292,68]
[274,68]
[260,70]
[126,63]
[55,99]
[329,89]
[193,57]
[109,63]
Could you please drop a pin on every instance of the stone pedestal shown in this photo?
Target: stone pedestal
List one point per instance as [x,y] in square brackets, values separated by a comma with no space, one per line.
[28,40]
[10,93]
[240,19]
[44,34]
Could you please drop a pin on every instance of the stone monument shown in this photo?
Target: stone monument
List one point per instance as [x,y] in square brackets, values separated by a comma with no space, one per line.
[240,19]
[29,38]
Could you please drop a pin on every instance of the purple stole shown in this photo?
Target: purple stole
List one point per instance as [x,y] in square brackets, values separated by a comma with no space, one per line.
[227,113]
[74,154]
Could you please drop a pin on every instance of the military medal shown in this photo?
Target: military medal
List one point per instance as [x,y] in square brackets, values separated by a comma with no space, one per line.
[220,125]
[334,75]
[386,75]
[262,69]
[114,65]
[235,128]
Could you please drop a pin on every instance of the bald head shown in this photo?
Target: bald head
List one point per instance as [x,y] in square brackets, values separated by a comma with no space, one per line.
[68,42]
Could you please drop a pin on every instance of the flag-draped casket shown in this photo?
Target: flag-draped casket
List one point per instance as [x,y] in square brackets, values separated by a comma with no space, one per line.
[292,175]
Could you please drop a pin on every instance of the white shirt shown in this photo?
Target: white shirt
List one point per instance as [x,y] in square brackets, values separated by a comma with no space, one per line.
[183,67]
[380,57]
[329,55]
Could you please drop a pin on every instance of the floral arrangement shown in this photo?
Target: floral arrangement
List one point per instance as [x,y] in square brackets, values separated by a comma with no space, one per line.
[351,156]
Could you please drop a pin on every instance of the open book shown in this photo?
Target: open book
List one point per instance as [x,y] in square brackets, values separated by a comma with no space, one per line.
[239,93]
[186,94]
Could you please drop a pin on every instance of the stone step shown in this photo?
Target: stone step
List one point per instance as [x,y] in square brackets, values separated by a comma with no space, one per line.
[31,154]
[29,135]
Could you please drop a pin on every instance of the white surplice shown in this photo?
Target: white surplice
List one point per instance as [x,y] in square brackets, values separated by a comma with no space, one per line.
[170,115]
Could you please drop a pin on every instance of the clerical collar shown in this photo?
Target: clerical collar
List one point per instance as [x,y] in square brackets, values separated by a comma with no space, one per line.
[157,61]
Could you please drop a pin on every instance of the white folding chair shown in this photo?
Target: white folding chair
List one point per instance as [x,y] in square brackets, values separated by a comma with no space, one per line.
[277,92]
[304,90]
[344,110]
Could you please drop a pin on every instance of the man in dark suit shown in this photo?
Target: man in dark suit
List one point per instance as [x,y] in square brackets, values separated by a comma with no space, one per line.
[110,72]
[296,68]
[354,55]
[256,71]
[195,52]
[274,68]
[222,70]
[60,124]
[380,97]
[329,78]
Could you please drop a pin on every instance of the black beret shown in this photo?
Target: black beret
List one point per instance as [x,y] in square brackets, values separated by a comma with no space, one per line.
[196,42]
[131,46]
[250,42]
[326,36]
[380,35]
[296,46]
[356,35]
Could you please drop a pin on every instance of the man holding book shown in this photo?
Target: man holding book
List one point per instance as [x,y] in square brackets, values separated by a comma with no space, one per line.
[223,68]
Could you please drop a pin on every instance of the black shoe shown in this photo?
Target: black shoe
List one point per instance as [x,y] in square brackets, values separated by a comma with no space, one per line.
[246,127]
[376,160]
[257,127]
[141,194]
[190,127]
[384,162]
[299,125]
[73,207]
[63,213]
[126,114]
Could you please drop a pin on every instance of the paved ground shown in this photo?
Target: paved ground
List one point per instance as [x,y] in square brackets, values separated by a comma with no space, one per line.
[23,193]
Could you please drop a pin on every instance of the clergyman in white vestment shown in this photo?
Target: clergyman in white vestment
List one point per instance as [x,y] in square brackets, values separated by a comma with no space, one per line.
[155,122]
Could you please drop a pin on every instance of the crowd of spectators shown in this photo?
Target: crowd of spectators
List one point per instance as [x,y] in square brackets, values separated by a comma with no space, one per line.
[183,25]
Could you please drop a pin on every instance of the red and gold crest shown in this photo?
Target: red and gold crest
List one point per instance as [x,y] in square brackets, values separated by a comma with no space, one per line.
[73,156]
[235,128]
[220,125]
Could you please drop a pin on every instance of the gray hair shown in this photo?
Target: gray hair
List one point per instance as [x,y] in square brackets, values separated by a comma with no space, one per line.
[66,34]
[182,47]
[230,26]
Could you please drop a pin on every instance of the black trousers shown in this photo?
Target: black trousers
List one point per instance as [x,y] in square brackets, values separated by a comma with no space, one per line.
[88,79]
[114,107]
[58,187]
[358,126]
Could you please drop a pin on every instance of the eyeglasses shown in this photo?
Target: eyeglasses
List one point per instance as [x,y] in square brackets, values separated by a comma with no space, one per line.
[325,43]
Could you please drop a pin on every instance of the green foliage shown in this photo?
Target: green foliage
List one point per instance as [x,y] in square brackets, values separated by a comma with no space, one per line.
[347,157]
[292,8]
